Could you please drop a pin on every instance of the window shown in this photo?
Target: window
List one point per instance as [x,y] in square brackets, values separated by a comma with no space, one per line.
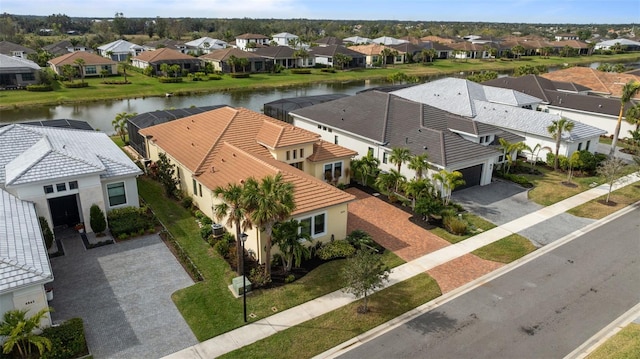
[487,138]
[116,194]
[288,155]
[330,130]
[370,151]
[295,154]
[305,226]
[195,188]
[29,76]
[324,128]
[90,70]
[48,189]
[106,67]
[335,139]
[384,157]
[178,172]
[302,153]
[332,171]
[61,187]
[580,146]
[314,226]
[319,127]
[73,185]
[318,224]
[298,165]
[501,158]
[200,188]
[481,139]
[588,144]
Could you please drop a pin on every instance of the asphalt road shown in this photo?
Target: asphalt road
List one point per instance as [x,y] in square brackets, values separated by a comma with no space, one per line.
[543,309]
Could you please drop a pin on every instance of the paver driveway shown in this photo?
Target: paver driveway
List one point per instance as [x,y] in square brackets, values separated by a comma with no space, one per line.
[123,293]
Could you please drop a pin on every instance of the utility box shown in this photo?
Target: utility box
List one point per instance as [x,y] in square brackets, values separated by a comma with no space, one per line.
[237,285]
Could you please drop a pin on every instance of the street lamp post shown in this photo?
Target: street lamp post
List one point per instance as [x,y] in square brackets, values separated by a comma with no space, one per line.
[244,237]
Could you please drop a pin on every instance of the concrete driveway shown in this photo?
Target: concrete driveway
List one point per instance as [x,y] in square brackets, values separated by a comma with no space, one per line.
[123,293]
[501,202]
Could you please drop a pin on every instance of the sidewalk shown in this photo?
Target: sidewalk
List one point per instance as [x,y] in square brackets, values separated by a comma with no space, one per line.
[263,328]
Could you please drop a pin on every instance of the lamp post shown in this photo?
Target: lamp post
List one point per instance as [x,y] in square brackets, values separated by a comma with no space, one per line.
[244,237]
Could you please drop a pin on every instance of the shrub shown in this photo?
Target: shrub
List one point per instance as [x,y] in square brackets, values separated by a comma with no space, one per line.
[47,234]
[222,247]
[67,339]
[563,161]
[116,82]
[336,249]
[455,225]
[96,219]
[290,278]
[330,70]
[206,232]
[75,85]
[301,71]
[215,77]
[521,180]
[258,277]
[240,75]
[169,80]
[39,88]
[360,239]
[127,221]
[187,202]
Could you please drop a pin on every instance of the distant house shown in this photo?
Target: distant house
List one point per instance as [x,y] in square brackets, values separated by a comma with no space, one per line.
[329,40]
[66,171]
[94,65]
[247,42]
[607,84]
[205,45]
[24,261]
[15,50]
[119,50]
[373,54]
[227,146]
[220,59]
[562,37]
[356,40]
[16,72]
[324,55]
[387,40]
[410,50]
[64,47]
[284,39]
[278,55]
[179,46]
[156,58]
[628,44]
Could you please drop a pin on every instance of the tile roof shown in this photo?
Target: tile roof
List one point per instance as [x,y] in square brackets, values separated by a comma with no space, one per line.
[332,50]
[164,54]
[23,257]
[225,54]
[275,52]
[274,135]
[7,48]
[370,49]
[89,59]
[36,153]
[119,46]
[324,151]
[12,63]
[329,40]
[221,147]
[250,36]
[607,83]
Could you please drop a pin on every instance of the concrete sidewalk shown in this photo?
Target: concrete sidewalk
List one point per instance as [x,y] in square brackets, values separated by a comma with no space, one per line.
[263,328]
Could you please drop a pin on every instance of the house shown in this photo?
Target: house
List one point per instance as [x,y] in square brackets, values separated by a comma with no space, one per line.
[607,84]
[373,54]
[156,58]
[247,42]
[205,45]
[16,72]
[356,40]
[411,50]
[220,59]
[66,171]
[226,145]
[324,55]
[285,39]
[94,65]
[120,50]
[279,109]
[511,111]
[15,50]
[278,55]
[375,122]
[628,44]
[64,47]
[386,40]
[179,46]
[569,100]
[561,37]
[328,40]
[24,261]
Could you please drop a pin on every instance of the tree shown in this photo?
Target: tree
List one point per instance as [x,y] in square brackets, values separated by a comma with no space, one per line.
[300,54]
[81,63]
[232,207]
[399,155]
[166,176]
[391,180]
[448,182]
[119,24]
[428,206]
[483,76]
[233,62]
[628,91]
[418,188]
[175,69]
[573,161]
[517,51]
[96,219]
[69,72]
[243,62]
[120,124]
[419,163]
[365,167]
[556,129]
[341,60]
[362,274]
[268,201]
[611,170]
[289,237]
[18,331]
[165,68]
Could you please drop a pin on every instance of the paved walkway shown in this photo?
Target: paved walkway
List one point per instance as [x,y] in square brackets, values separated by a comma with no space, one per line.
[263,328]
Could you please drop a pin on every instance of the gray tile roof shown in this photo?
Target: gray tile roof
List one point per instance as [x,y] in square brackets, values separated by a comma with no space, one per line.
[9,63]
[23,257]
[35,153]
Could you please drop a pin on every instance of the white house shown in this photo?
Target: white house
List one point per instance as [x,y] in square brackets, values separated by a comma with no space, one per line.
[246,42]
[285,39]
[17,72]
[24,262]
[205,44]
[66,171]
[119,50]
[607,44]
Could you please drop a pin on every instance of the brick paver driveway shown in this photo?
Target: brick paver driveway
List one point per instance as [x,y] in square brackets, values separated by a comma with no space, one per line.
[123,293]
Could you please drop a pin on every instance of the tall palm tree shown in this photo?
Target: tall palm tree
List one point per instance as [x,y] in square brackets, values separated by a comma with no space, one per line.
[81,63]
[556,129]
[448,182]
[628,91]
[18,331]
[419,164]
[268,201]
[399,155]
[232,207]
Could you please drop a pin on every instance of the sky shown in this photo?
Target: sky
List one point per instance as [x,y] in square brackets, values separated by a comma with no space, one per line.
[512,11]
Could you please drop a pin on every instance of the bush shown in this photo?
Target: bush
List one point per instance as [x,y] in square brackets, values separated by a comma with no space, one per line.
[96,219]
[75,85]
[116,82]
[187,202]
[67,339]
[222,247]
[521,180]
[215,77]
[39,88]
[47,234]
[330,70]
[169,80]
[563,161]
[455,225]
[290,278]
[240,75]
[301,71]
[127,221]
[360,239]
[336,249]
[206,232]
[258,277]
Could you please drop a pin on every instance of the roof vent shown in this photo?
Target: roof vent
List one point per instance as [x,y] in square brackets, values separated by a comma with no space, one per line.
[222,160]
[600,105]
[213,169]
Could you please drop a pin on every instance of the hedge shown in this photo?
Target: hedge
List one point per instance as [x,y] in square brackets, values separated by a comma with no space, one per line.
[39,88]
[129,221]
[240,75]
[75,85]
[67,339]
[301,71]
[170,80]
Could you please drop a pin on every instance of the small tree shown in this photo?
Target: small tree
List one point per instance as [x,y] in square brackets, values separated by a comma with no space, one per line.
[556,129]
[365,167]
[399,155]
[69,72]
[574,161]
[120,124]
[448,182]
[611,170]
[47,234]
[166,172]
[341,60]
[289,236]
[18,331]
[96,219]
[362,274]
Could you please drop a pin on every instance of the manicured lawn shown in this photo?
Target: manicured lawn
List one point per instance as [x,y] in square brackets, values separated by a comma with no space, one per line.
[549,189]
[619,199]
[324,332]
[624,345]
[208,306]
[507,249]
[476,225]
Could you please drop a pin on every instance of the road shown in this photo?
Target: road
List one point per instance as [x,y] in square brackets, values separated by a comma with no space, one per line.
[543,309]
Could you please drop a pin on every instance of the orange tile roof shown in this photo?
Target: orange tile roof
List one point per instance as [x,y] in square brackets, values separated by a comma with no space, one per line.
[370,49]
[163,54]
[608,83]
[89,59]
[275,134]
[221,147]
[323,151]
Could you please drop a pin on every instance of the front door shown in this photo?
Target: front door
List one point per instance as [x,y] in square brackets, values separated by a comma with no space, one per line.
[64,211]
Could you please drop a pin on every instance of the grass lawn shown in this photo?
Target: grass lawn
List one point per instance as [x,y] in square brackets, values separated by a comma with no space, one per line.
[507,249]
[476,225]
[208,306]
[624,345]
[619,199]
[548,188]
[324,332]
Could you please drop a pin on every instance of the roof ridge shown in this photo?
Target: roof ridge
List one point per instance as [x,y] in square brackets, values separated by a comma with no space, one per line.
[205,158]
[251,155]
[386,117]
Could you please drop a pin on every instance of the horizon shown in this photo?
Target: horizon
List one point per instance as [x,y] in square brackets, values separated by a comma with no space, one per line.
[574,12]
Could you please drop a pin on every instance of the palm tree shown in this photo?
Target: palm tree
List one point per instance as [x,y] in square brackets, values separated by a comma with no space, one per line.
[288,236]
[418,188]
[448,182]
[399,155]
[385,53]
[120,124]
[232,207]
[517,51]
[556,129]
[233,62]
[301,54]
[632,116]
[366,167]
[81,63]
[628,91]
[391,180]
[18,331]
[419,164]
[268,201]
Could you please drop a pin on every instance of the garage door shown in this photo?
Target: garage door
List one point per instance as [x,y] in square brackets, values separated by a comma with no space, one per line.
[472,176]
